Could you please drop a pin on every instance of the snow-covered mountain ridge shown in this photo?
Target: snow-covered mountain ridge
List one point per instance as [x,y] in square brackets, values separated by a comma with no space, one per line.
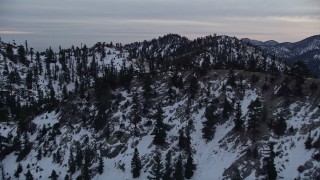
[306,50]
[93,106]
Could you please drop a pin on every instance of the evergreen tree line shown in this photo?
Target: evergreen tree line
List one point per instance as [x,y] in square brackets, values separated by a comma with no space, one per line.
[167,170]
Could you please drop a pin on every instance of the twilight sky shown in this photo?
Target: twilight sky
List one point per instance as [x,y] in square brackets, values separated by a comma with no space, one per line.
[66,22]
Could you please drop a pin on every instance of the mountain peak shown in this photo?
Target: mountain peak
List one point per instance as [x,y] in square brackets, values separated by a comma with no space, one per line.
[270,43]
[260,43]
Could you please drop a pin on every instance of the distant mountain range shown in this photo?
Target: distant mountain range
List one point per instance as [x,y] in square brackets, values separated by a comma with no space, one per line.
[306,50]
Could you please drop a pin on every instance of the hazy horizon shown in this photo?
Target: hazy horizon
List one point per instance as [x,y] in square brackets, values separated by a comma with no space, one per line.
[56,46]
[70,22]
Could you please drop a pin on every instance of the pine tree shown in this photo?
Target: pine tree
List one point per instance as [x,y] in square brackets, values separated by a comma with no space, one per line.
[271,169]
[67,177]
[238,121]
[236,175]
[85,171]
[280,126]
[188,148]
[64,92]
[48,60]
[52,92]
[227,108]
[231,79]
[58,157]
[182,139]
[136,164]
[18,171]
[29,176]
[316,144]
[167,168]
[39,65]
[159,129]
[193,88]
[27,146]
[4,113]
[29,79]
[252,64]
[208,124]
[76,86]
[93,67]
[43,131]
[9,51]
[176,80]
[16,144]
[189,167]
[82,89]
[205,66]
[79,158]
[6,68]
[2,171]
[39,155]
[255,152]
[22,54]
[54,175]
[71,164]
[147,91]
[255,115]
[170,93]
[26,43]
[101,165]
[156,169]
[308,143]
[178,173]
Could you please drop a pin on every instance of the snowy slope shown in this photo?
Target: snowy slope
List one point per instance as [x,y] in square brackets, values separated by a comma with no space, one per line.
[213,158]
[113,56]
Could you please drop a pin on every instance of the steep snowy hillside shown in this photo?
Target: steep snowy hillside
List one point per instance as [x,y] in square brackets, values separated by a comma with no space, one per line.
[66,132]
[38,75]
[212,108]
